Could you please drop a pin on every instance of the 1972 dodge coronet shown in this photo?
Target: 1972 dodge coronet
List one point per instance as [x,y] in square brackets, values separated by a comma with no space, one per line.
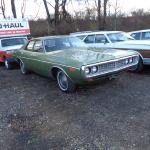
[69,61]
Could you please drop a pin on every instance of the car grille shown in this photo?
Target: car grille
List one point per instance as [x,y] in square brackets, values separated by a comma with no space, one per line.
[114,65]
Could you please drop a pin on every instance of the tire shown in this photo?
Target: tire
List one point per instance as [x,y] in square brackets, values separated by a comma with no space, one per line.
[23,68]
[8,65]
[139,66]
[64,82]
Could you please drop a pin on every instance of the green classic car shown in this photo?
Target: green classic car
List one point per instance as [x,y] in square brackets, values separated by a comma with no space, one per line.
[69,61]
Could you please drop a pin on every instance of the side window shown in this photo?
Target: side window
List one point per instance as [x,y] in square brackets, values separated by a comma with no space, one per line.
[81,37]
[30,45]
[50,45]
[100,38]
[38,46]
[145,35]
[90,39]
[136,35]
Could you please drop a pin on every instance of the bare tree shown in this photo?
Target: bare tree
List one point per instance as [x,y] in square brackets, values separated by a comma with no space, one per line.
[57,5]
[23,8]
[13,8]
[99,14]
[105,14]
[2,7]
[64,12]
[140,12]
[60,12]
[38,10]
[47,12]
[117,10]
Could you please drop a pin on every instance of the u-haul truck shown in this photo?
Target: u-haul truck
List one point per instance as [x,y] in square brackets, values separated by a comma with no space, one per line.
[13,35]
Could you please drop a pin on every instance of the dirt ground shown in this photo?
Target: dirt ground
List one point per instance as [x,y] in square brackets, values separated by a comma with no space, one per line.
[113,115]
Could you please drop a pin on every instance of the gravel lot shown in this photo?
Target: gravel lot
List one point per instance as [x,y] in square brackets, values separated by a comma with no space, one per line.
[113,115]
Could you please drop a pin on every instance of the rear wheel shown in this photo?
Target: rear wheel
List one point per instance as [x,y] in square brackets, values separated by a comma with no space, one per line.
[23,68]
[64,82]
[8,65]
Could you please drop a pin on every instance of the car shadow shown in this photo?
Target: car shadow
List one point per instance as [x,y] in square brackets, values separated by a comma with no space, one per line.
[146,70]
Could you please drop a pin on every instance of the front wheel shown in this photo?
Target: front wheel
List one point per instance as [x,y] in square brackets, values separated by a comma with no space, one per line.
[139,66]
[23,68]
[8,65]
[64,82]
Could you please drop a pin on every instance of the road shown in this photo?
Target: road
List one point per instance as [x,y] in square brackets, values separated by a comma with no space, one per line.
[113,115]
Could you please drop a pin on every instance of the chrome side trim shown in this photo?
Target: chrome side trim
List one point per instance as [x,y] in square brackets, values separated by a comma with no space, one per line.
[146,61]
[49,62]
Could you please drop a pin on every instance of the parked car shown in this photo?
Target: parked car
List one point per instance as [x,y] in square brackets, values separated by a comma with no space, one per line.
[70,62]
[7,47]
[141,34]
[117,40]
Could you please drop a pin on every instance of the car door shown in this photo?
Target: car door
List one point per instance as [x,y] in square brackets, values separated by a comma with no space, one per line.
[136,36]
[96,40]
[37,58]
[25,54]
[146,35]
[90,40]
[100,40]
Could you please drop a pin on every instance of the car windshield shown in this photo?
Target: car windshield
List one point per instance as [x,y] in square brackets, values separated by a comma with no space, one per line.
[65,43]
[13,42]
[119,37]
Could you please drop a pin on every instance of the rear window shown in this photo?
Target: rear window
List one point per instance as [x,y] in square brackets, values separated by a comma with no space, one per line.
[13,42]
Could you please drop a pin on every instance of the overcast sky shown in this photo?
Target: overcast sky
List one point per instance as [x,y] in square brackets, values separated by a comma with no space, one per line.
[32,8]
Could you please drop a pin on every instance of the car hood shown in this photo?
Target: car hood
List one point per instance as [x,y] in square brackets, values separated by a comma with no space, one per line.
[77,58]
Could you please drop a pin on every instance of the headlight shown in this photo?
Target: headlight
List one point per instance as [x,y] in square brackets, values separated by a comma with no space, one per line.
[130,60]
[87,70]
[94,69]
[127,61]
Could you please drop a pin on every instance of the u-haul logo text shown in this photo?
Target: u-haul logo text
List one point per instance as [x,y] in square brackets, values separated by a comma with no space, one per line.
[11,25]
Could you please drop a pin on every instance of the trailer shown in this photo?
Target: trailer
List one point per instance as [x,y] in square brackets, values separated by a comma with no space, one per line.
[13,35]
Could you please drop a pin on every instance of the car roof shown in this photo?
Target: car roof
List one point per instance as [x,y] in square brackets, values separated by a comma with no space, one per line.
[139,31]
[95,32]
[12,37]
[50,37]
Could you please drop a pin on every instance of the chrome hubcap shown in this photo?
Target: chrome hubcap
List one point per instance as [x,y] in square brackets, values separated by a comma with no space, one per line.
[6,64]
[62,81]
[22,67]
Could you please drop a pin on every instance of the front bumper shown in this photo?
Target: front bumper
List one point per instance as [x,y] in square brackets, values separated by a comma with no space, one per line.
[109,67]
[96,79]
